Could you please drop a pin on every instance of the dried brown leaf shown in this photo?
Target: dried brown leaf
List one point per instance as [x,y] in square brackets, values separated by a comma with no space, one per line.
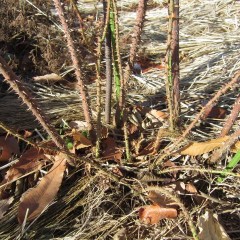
[80,141]
[52,77]
[110,150]
[198,148]
[160,199]
[37,199]
[29,161]
[215,112]
[4,205]
[210,228]
[152,214]
[148,150]
[8,147]
[191,188]
[156,115]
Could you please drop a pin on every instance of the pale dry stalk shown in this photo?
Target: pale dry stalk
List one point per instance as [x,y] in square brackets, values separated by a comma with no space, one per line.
[72,51]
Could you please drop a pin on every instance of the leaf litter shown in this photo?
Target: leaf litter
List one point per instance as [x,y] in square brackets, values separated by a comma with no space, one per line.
[93,203]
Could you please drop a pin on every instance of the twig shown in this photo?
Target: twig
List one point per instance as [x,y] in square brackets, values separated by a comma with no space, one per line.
[231,119]
[99,107]
[72,51]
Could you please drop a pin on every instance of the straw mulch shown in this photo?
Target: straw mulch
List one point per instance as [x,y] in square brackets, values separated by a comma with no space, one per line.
[93,207]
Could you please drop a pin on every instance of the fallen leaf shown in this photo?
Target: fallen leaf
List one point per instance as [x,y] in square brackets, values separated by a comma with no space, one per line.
[80,141]
[152,214]
[161,200]
[8,147]
[27,134]
[79,125]
[52,77]
[236,147]
[215,112]
[110,150]
[4,205]
[29,161]
[37,199]
[198,148]
[191,188]
[156,115]
[210,228]
[148,150]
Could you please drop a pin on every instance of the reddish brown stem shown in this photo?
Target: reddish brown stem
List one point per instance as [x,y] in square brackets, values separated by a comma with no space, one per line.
[172,65]
[199,116]
[71,48]
[28,99]
[231,119]
[175,63]
[141,11]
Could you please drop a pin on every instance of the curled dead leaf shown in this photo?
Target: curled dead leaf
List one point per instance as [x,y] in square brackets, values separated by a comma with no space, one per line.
[191,188]
[210,228]
[4,205]
[156,115]
[8,147]
[110,150]
[52,77]
[28,162]
[152,214]
[159,199]
[80,141]
[36,200]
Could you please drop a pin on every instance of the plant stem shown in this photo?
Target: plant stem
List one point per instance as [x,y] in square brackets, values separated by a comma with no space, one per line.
[172,65]
[28,99]
[72,51]
[232,117]
[199,116]
[108,58]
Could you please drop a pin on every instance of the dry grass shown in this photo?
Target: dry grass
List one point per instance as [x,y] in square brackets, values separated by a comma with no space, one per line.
[93,207]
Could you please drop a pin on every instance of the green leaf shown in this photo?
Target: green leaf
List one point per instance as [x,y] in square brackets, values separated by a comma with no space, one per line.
[231,165]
